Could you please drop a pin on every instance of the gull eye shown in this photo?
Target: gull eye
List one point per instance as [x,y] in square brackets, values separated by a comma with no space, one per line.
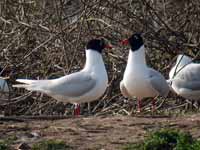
[136,37]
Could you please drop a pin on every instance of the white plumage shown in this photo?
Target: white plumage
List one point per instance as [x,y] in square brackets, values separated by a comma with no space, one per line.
[84,86]
[142,81]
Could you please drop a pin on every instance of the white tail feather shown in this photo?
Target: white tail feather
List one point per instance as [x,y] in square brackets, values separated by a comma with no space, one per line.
[32,85]
[27,81]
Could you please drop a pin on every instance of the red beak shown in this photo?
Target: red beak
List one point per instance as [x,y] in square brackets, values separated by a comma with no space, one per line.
[108,46]
[124,42]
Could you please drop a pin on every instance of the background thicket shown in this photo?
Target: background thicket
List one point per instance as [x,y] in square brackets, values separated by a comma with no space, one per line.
[42,39]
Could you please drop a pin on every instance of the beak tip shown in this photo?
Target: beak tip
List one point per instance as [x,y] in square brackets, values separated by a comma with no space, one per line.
[124,42]
[109,46]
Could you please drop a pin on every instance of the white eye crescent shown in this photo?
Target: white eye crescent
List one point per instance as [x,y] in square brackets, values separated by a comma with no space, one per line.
[136,37]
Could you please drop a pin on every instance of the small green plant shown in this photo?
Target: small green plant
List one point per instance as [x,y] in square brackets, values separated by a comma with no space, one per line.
[3,145]
[51,145]
[9,140]
[196,146]
[135,146]
[166,139]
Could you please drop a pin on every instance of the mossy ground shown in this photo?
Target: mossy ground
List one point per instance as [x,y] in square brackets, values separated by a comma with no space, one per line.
[51,145]
[42,145]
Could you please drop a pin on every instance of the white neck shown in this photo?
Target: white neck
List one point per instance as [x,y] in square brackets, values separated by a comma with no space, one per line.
[137,57]
[93,59]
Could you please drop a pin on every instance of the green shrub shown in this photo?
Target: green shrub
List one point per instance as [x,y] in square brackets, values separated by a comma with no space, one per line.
[137,146]
[196,146]
[166,139]
[3,145]
[51,145]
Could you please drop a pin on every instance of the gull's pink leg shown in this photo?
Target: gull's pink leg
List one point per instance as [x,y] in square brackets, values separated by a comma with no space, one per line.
[77,110]
[139,105]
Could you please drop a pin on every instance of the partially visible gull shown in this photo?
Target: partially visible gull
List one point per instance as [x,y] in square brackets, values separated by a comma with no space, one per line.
[84,86]
[3,84]
[139,80]
[184,78]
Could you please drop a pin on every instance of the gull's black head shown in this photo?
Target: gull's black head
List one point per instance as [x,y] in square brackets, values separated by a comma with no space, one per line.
[96,45]
[135,41]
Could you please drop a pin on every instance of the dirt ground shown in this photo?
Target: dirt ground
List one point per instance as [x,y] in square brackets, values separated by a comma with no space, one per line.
[97,133]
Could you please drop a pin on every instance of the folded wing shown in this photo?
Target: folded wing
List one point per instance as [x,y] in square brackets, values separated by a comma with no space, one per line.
[191,72]
[158,82]
[72,85]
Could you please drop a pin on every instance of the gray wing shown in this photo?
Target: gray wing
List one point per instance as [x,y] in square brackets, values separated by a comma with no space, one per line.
[73,85]
[191,72]
[190,85]
[158,82]
[124,90]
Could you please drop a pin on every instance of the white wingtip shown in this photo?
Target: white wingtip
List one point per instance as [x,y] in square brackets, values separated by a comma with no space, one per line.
[19,85]
[26,81]
[169,82]
[29,87]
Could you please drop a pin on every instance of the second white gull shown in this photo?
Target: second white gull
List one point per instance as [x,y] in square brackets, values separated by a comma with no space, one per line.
[139,80]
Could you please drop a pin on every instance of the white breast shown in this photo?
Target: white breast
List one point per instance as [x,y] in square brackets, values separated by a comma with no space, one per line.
[135,80]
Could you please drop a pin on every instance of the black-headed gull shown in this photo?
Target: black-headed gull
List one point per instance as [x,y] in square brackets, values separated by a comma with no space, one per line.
[139,80]
[184,78]
[84,86]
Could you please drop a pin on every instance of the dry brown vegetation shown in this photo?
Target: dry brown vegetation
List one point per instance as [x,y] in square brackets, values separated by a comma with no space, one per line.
[46,39]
